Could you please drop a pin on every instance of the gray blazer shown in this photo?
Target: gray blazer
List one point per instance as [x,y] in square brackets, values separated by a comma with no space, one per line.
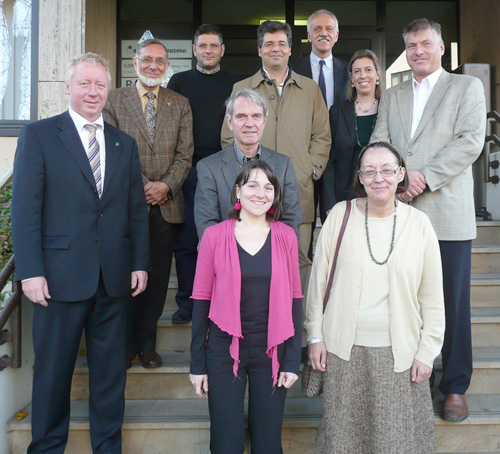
[216,176]
[448,139]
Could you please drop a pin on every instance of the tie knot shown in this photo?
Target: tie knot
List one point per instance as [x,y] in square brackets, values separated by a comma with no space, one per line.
[150,95]
[322,63]
[90,127]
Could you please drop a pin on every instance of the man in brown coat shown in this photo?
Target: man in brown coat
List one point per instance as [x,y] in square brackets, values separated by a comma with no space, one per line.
[160,121]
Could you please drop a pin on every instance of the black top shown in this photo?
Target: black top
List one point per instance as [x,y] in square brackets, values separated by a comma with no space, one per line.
[207,94]
[254,308]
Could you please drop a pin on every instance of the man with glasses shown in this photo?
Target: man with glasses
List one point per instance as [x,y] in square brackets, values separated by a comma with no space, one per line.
[160,121]
[207,87]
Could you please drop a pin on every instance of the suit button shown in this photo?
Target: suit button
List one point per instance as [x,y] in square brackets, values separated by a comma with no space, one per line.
[269,82]
[272,97]
[100,215]
[97,241]
[409,153]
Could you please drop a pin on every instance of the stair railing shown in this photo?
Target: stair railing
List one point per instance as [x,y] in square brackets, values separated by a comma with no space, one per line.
[493,117]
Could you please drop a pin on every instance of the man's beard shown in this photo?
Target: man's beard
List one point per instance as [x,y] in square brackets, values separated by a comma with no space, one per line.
[149,81]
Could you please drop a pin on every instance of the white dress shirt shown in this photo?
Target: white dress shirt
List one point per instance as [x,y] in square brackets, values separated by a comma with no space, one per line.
[327,72]
[421,94]
[80,122]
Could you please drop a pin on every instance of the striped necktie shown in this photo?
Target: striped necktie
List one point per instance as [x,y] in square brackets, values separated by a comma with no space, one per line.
[94,155]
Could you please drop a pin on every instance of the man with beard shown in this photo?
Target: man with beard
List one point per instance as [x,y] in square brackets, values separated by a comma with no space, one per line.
[205,85]
[160,120]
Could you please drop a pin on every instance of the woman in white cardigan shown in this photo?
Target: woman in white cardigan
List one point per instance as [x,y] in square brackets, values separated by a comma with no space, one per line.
[383,325]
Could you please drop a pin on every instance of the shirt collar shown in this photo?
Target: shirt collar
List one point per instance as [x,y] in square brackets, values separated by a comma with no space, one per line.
[201,70]
[240,156]
[431,78]
[266,75]
[80,122]
[142,91]
[328,60]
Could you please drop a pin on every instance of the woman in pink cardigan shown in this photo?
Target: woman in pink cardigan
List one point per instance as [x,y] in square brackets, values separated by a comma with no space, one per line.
[247,297]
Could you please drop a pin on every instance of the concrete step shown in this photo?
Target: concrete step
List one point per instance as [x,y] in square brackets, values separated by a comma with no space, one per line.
[486,258]
[488,232]
[171,380]
[151,425]
[485,330]
[485,326]
[485,290]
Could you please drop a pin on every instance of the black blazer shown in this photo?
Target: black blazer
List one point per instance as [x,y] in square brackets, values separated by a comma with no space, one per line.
[340,75]
[336,175]
[61,229]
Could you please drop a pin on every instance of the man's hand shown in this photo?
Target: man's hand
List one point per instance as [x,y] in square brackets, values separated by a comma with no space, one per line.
[317,356]
[420,372]
[37,290]
[287,379]
[200,384]
[139,281]
[417,186]
[156,192]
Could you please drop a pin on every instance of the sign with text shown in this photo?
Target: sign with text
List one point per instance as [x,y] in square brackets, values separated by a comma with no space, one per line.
[177,48]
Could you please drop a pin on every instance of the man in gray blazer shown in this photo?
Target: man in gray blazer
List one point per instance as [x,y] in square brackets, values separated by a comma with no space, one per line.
[246,113]
[437,120]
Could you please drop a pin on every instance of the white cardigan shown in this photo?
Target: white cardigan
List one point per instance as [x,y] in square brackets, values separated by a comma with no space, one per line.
[416,303]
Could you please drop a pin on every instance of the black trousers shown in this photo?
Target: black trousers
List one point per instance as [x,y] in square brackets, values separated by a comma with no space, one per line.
[146,308]
[226,401]
[186,246]
[457,347]
[57,330]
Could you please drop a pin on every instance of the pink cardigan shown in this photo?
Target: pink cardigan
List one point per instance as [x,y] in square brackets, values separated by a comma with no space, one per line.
[218,279]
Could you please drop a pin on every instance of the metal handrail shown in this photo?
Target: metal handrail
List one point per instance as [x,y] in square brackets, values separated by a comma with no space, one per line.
[12,307]
[493,117]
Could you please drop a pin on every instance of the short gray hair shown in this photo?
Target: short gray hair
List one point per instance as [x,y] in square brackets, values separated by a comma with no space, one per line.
[146,43]
[420,25]
[88,57]
[321,11]
[250,95]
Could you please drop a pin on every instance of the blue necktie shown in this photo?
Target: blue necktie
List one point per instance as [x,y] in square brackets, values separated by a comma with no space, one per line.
[321,80]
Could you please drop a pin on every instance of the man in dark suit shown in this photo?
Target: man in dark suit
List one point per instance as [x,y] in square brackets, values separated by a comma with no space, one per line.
[246,114]
[80,231]
[160,120]
[328,72]
[332,75]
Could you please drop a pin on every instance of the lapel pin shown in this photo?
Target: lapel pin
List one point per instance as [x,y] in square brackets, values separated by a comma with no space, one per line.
[169,104]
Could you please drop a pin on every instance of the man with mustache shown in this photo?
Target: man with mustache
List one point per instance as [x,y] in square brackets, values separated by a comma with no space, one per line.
[161,122]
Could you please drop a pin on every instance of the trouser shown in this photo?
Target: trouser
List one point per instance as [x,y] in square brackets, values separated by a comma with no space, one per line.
[457,347]
[226,401]
[57,331]
[305,263]
[186,246]
[147,307]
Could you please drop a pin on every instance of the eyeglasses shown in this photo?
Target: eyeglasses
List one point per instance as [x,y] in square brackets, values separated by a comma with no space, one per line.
[212,46]
[386,173]
[149,61]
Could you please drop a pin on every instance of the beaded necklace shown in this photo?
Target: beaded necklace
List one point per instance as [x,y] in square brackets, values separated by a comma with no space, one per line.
[356,128]
[368,235]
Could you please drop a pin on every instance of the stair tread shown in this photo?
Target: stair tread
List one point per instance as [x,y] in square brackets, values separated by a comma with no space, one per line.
[166,320]
[485,248]
[299,412]
[485,314]
[485,279]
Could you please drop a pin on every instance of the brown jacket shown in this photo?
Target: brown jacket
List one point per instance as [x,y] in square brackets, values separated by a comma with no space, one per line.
[169,158]
[298,126]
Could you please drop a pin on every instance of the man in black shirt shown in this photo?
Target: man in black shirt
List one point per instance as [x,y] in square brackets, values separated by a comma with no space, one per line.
[207,87]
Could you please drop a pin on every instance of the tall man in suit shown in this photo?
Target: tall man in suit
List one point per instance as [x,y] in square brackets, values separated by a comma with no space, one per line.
[80,229]
[437,120]
[246,114]
[297,126]
[331,74]
[205,85]
[161,122]
[328,72]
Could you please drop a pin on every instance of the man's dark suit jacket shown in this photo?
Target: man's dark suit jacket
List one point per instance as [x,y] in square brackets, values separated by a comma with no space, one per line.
[216,176]
[338,168]
[340,75]
[61,229]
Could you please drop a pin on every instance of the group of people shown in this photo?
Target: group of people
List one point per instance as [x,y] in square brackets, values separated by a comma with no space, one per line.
[107,192]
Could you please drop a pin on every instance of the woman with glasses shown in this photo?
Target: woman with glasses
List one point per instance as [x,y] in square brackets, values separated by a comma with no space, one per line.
[351,122]
[383,324]
[247,297]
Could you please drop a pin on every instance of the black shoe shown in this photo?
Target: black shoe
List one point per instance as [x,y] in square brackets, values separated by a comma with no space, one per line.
[150,359]
[182,316]
[131,357]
